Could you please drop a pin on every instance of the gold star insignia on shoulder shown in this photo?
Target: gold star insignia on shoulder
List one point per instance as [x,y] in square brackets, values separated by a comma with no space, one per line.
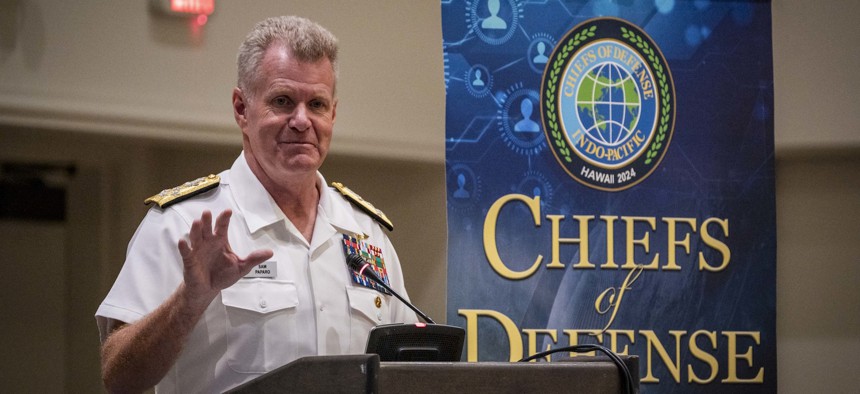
[365,206]
[168,197]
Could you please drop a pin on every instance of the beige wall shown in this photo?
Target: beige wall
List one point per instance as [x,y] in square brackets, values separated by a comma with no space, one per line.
[818,298]
[139,104]
[114,67]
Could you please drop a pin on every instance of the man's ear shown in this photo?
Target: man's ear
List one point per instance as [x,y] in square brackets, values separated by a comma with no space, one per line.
[239,107]
[334,111]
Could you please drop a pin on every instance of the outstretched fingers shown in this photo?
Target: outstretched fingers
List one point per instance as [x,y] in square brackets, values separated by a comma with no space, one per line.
[198,235]
[207,254]
[184,249]
[199,228]
[206,225]
[255,258]
[222,223]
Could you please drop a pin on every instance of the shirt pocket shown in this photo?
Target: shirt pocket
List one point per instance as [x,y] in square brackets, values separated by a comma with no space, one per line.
[368,308]
[261,319]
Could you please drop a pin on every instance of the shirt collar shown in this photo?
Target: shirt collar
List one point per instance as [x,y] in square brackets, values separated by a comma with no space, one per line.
[260,210]
[252,199]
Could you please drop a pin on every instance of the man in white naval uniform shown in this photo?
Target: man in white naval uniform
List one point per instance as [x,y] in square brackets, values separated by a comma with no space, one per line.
[201,306]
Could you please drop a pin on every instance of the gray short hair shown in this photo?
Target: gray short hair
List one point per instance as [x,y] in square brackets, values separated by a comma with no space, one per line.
[306,40]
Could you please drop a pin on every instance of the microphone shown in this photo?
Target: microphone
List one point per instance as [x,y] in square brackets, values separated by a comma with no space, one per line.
[360,266]
[409,342]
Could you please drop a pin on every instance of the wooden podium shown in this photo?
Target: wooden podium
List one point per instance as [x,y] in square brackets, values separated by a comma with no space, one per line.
[364,373]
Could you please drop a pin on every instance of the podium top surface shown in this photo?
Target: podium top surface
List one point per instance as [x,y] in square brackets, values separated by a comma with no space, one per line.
[366,374]
[591,376]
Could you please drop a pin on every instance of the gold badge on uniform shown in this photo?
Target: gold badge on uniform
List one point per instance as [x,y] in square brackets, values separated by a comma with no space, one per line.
[168,197]
[364,205]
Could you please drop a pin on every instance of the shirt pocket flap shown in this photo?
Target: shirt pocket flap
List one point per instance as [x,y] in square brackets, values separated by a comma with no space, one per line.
[261,295]
[368,303]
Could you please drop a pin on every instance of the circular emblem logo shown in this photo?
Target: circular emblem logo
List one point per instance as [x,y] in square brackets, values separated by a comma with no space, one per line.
[608,104]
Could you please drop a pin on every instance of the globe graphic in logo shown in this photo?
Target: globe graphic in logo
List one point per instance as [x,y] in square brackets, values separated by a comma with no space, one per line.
[608,104]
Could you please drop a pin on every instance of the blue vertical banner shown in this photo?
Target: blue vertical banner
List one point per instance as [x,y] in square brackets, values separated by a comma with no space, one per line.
[610,181]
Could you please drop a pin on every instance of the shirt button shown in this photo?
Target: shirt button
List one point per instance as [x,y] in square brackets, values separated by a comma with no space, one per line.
[263,304]
[378,315]
[322,308]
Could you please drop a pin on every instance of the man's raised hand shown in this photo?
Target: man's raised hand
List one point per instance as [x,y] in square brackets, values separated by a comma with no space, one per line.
[210,264]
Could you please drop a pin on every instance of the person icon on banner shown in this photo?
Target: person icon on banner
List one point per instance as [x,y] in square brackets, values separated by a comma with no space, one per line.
[527,125]
[541,56]
[461,191]
[478,81]
[493,22]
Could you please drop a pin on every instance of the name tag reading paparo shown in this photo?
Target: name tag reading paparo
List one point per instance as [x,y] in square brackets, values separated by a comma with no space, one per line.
[608,104]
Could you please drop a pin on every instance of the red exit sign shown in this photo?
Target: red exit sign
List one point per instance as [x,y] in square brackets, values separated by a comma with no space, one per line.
[189,8]
[195,7]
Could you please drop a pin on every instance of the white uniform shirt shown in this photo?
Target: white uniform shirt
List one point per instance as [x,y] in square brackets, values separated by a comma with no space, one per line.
[309,307]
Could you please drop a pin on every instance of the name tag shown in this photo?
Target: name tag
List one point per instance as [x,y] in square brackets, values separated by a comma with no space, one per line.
[268,269]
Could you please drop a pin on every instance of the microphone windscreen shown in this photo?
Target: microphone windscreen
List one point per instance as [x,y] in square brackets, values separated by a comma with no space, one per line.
[355,262]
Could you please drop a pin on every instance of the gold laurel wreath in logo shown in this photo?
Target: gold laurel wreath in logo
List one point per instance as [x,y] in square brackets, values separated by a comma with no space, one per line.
[552,118]
[653,59]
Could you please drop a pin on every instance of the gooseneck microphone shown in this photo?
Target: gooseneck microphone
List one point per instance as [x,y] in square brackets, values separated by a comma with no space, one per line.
[360,266]
[409,342]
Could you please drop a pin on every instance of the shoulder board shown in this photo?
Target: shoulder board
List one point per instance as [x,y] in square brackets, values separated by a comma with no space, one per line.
[365,206]
[168,197]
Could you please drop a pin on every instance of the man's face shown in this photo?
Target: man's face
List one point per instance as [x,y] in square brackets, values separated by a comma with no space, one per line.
[287,123]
